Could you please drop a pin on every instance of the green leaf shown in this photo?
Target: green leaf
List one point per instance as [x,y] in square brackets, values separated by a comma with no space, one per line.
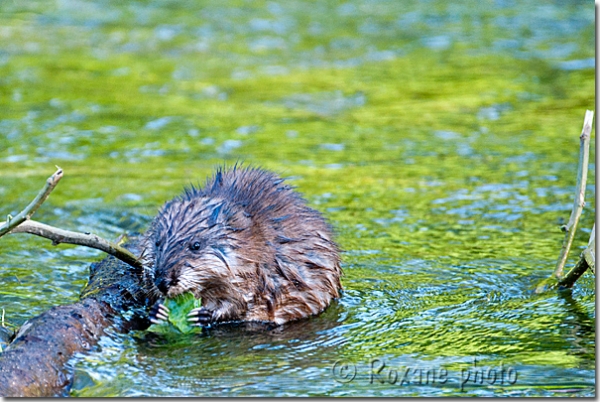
[179,307]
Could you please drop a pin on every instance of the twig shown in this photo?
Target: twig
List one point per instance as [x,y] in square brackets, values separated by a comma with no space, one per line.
[578,203]
[586,260]
[590,251]
[58,236]
[22,223]
[575,273]
[25,214]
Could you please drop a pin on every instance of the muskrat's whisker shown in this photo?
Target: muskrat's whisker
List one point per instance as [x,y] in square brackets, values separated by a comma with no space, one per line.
[248,260]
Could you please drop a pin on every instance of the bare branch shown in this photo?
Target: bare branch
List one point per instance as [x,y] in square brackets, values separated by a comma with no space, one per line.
[578,203]
[586,260]
[28,212]
[590,252]
[575,273]
[23,224]
[58,236]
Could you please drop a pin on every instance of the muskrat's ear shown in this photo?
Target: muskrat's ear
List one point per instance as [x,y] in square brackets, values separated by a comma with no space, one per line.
[214,215]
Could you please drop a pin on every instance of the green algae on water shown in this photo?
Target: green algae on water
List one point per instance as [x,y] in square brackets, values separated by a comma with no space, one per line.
[179,307]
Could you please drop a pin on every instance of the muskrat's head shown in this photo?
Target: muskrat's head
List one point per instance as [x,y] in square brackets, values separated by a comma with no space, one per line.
[194,245]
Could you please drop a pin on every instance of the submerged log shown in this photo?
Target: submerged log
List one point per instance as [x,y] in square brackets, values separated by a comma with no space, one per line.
[36,363]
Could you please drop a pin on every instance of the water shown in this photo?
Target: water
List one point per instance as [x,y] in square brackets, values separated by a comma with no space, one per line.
[440,139]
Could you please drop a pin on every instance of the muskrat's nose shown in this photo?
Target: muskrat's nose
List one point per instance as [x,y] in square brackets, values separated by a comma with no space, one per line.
[163,284]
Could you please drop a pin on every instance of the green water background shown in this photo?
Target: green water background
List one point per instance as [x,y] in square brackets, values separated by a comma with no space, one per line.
[439,138]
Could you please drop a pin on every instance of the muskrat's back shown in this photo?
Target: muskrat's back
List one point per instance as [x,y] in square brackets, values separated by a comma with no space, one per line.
[248,245]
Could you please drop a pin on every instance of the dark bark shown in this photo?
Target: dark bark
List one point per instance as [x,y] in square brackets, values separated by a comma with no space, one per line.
[574,274]
[37,362]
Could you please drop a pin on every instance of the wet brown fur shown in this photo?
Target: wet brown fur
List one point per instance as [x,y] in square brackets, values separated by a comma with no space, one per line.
[262,253]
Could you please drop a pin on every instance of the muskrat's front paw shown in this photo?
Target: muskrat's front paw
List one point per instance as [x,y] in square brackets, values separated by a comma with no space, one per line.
[159,314]
[200,317]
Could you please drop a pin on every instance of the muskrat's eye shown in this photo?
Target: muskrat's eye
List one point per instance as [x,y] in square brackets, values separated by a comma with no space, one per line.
[157,243]
[195,246]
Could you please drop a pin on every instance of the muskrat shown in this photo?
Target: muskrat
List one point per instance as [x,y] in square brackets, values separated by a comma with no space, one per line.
[247,245]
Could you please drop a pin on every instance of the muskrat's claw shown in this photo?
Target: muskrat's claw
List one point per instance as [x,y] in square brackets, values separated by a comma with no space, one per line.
[159,313]
[200,317]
